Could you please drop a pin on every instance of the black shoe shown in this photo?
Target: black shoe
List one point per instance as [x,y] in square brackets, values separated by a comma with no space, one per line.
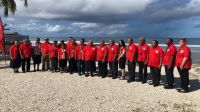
[143,82]
[151,83]
[114,77]
[168,87]
[130,80]
[155,85]
[86,75]
[71,72]
[103,77]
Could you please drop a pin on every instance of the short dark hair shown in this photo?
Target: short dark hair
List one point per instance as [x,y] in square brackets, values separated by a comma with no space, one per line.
[156,42]
[171,40]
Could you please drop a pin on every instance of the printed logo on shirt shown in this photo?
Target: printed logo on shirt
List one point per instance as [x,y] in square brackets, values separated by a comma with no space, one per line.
[112,49]
[130,48]
[144,48]
[157,51]
[182,51]
[168,50]
[93,48]
[102,49]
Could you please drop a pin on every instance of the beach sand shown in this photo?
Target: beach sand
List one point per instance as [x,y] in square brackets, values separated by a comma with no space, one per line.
[52,92]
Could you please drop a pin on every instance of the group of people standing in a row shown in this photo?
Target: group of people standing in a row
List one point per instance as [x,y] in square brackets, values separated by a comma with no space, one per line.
[82,59]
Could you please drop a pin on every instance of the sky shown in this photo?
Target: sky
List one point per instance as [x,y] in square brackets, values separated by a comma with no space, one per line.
[102,18]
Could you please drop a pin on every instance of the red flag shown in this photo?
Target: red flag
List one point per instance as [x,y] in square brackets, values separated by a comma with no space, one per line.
[2,39]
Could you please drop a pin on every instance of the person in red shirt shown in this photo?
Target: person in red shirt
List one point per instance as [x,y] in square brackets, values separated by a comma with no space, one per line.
[143,56]
[90,52]
[122,58]
[15,58]
[37,54]
[45,54]
[112,59]
[53,56]
[155,62]
[26,53]
[169,62]
[131,57]
[183,64]
[72,55]
[80,58]
[62,57]
[102,55]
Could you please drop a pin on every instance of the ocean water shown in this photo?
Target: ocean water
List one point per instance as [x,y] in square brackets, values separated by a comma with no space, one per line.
[194,43]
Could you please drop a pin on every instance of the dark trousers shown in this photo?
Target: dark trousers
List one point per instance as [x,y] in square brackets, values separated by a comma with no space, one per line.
[26,64]
[62,64]
[54,64]
[81,66]
[131,69]
[72,65]
[103,69]
[155,73]
[114,69]
[142,71]
[169,75]
[45,62]
[184,76]
[90,66]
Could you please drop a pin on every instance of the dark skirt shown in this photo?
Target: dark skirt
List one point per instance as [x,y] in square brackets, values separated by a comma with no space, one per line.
[62,63]
[15,63]
[36,59]
[122,62]
[90,66]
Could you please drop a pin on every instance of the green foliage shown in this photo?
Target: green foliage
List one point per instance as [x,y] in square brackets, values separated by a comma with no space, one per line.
[10,6]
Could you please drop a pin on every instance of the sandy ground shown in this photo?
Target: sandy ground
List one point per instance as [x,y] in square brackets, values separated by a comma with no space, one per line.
[51,92]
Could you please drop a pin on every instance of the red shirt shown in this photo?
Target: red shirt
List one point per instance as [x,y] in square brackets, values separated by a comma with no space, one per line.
[68,46]
[45,48]
[155,56]
[121,50]
[112,51]
[170,51]
[102,51]
[132,49]
[143,51]
[90,53]
[79,51]
[13,52]
[72,51]
[62,54]
[26,50]
[184,51]
[53,51]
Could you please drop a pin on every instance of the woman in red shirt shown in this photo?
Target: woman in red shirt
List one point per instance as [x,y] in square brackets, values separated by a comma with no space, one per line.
[62,57]
[90,52]
[26,53]
[80,58]
[183,64]
[143,56]
[155,62]
[122,58]
[53,55]
[15,59]
[131,57]
[36,54]
[72,55]
[102,55]
[112,59]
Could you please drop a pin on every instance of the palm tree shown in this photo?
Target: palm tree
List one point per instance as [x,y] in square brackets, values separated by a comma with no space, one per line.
[10,6]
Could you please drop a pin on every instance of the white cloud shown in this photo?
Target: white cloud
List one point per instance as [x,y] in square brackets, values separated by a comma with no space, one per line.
[83,25]
[55,28]
[81,9]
